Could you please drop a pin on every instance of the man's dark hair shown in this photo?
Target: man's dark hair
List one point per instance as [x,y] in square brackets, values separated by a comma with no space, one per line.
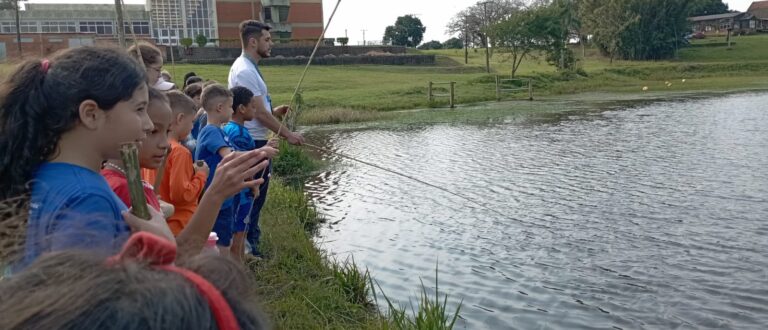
[252,29]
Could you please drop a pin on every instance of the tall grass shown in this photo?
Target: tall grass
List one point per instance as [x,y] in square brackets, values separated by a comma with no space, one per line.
[353,281]
[430,312]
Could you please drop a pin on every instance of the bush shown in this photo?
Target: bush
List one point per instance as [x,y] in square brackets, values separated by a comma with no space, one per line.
[201,40]
[186,42]
[343,41]
[434,44]
[453,43]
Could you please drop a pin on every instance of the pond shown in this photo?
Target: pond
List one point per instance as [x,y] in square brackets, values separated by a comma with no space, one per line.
[649,214]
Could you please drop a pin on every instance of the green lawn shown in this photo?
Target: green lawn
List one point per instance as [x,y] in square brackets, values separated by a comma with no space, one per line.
[333,91]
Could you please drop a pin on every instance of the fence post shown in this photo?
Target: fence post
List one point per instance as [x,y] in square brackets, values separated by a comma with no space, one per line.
[530,90]
[453,89]
[498,90]
[429,91]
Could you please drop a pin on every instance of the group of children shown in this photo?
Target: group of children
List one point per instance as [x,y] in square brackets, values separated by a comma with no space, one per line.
[62,122]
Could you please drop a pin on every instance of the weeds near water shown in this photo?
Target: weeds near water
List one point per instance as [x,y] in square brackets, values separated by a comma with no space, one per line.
[292,161]
[431,313]
[338,115]
[353,281]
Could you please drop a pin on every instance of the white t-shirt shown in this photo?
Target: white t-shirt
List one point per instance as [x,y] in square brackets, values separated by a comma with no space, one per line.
[244,73]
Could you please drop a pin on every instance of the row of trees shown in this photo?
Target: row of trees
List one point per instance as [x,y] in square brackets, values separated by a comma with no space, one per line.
[626,29]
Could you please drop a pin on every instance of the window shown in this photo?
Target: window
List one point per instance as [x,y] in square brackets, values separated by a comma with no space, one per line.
[139,28]
[28,27]
[708,28]
[267,14]
[752,24]
[283,13]
[59,27]
[104,28]
[6,27]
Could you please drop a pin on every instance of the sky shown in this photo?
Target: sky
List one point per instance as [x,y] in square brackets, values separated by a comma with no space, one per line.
[354,16]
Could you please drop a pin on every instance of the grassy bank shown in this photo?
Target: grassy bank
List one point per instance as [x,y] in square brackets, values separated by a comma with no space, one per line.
[335,94]
[303,288]
[296,280]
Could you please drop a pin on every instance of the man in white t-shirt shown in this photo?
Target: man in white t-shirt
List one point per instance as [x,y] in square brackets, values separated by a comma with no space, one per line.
[257,44]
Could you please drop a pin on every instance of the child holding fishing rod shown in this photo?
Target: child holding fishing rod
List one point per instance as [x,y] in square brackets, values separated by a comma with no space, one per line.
[151,153]
[213,145]
[244,107]
[59,120]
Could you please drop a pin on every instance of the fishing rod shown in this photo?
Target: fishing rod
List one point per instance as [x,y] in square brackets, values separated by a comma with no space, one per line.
[298,87]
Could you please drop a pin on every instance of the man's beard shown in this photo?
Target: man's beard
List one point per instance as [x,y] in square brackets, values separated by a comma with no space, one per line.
[264,54]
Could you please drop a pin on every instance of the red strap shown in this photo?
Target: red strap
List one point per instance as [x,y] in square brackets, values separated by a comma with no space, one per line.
[161,253]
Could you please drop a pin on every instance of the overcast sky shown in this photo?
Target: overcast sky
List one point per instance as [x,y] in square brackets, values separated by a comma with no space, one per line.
[353,16]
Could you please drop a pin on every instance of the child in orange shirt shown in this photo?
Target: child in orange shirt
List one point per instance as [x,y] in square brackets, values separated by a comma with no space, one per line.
[183,180]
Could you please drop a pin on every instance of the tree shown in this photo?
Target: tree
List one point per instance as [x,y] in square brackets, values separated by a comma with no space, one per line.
[434,44]
[343,41]
[706,7]
[607,20]
[407,31]
[14,5]
[563,24]
[201,40]
[518,36]
[475,19]
[453,43]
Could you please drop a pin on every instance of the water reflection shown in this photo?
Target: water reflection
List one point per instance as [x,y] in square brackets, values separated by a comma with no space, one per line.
[647,215]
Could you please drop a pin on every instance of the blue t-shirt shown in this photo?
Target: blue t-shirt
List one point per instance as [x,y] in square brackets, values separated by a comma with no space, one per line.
[198,125]
[72,207]
[239,137]
[209,142]
[241,140]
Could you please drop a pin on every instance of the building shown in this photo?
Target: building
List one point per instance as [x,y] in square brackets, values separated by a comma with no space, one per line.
[47,28]
[165,22]
[759,9]
[291,20]
[753,21]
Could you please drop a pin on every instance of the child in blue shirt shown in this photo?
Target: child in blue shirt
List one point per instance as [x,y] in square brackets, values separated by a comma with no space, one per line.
[244,108]
[59,120]
[212,146]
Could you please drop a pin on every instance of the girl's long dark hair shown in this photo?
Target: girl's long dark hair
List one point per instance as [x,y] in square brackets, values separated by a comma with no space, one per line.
[37,106]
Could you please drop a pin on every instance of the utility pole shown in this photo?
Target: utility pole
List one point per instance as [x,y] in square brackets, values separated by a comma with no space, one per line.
[120,24]
[466,40]
[364,36]
[18,26]
[485,37]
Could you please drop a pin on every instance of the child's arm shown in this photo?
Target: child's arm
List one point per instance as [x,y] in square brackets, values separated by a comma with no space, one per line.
[234,173]
[186,183]
[223,152]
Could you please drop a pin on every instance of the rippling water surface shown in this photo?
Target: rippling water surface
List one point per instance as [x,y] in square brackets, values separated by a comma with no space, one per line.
[650,215]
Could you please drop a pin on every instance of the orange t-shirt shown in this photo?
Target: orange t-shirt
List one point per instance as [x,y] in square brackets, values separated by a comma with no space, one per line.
[181,186]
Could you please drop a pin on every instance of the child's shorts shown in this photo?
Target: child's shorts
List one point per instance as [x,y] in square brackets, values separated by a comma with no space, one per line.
[225,225]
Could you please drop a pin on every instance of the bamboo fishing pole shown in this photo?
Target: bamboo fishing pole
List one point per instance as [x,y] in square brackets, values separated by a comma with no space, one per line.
[129,152]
